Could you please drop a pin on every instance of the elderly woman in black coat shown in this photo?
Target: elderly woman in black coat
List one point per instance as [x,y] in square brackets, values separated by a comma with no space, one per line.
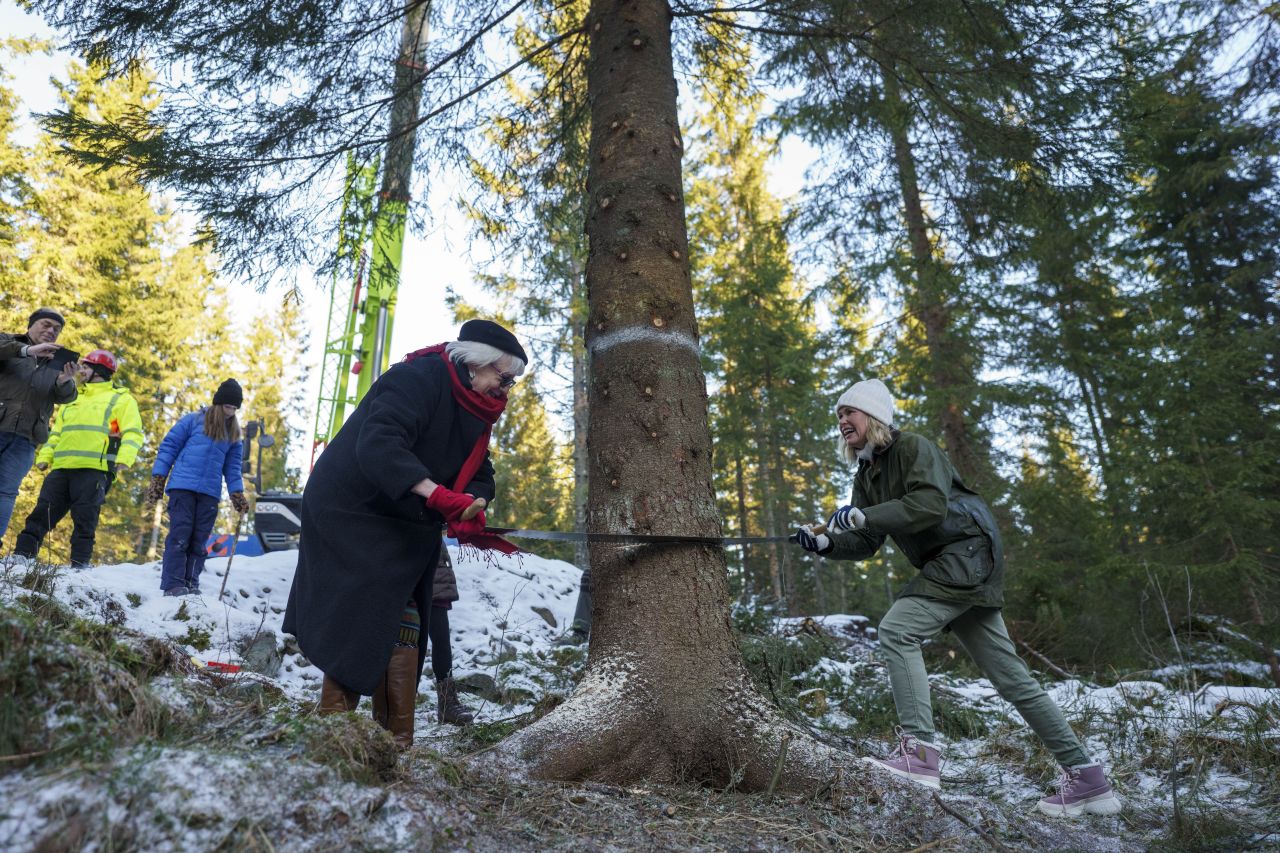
[412,458]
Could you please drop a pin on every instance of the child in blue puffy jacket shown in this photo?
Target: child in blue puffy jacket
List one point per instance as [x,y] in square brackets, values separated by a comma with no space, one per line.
[201,451]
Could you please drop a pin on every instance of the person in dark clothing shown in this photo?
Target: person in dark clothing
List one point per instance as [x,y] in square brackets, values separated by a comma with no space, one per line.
[30,385]
[94,437]
[444,591]
[906,488]
[412,458]
[580,628]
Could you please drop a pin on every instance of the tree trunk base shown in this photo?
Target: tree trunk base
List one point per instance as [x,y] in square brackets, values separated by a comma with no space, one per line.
[616,729]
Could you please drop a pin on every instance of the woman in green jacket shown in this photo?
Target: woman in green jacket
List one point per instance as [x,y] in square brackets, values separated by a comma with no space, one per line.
[906,488]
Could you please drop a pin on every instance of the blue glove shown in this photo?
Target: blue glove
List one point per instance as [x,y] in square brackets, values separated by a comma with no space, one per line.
[847,518]
[818,543]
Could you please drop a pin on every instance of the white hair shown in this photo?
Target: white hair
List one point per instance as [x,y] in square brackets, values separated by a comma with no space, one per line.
[476,354]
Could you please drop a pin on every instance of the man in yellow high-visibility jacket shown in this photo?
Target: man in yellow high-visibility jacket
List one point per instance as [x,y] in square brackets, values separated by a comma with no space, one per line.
[93,437]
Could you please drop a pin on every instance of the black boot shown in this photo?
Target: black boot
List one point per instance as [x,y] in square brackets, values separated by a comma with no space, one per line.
[580,629]
[449,709]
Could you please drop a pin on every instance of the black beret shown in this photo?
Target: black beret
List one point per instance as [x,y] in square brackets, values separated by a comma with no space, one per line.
[489,332]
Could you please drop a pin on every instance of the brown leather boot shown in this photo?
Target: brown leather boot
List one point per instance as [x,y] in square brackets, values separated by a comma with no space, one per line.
[335,699]
[396,697]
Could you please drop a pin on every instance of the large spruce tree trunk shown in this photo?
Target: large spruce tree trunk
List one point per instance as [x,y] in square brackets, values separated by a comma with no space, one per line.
[666,695]
[581,554]
[744,526]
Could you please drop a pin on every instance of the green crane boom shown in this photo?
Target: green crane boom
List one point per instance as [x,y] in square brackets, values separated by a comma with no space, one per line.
[358,337]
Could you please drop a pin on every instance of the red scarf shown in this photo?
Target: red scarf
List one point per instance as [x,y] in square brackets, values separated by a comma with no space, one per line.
[487,409]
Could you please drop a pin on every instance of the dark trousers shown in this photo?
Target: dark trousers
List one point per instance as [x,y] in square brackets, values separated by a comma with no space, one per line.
[78,490]
[191,517]
[438,634]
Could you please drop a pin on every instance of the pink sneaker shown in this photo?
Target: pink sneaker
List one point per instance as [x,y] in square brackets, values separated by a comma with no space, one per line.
[1082,790]
[914,760]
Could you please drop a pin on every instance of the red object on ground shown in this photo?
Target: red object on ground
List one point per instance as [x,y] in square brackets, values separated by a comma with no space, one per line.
[222,667]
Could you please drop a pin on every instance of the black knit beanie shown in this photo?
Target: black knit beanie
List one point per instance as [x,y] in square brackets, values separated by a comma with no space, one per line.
[45,314]
[489,332]
[229,392]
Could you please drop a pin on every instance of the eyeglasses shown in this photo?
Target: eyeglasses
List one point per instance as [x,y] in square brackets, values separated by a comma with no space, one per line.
[504,379]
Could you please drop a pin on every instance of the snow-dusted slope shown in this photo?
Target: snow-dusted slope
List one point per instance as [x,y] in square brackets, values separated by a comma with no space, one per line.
[495,617]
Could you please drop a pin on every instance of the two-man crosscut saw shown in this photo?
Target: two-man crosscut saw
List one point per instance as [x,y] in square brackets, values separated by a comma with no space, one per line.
[640,538]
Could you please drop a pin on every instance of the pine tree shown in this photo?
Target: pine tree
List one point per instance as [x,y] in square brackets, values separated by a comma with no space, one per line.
[97,247]
[15,190]
[531,210]
[274,379]
[1204,219]
[533,471]
[650,456]
[919,105]
[761,345]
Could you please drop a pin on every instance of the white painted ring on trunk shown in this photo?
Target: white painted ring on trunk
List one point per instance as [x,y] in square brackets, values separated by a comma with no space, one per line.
[644,334]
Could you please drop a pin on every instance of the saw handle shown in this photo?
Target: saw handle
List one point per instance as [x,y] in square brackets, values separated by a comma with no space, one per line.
[472,511]
[818,530]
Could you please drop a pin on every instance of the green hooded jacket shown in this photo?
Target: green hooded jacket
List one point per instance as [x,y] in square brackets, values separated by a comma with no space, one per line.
[910,491]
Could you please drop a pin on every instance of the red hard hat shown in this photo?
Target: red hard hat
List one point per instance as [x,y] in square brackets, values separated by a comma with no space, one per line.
[102,357]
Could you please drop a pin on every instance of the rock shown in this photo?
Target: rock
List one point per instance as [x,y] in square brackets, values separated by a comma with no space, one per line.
[262,655]
[480,684]
[547,616]
[813,702]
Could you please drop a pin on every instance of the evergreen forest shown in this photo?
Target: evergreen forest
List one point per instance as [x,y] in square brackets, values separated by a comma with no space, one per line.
[1050,229]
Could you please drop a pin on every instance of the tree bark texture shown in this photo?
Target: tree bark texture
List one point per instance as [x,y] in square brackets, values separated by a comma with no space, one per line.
[666,695]
[740,481]
[582,556]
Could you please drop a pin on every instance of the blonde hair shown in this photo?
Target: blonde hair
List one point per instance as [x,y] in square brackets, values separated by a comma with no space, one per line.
[878,435]
[219,428]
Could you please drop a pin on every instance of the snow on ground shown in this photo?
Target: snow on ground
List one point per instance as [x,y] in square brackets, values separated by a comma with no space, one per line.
[513,607]
[195,804]
[508,605]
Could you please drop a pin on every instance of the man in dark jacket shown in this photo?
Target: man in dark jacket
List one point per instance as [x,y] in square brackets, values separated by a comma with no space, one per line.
[412,457]
[29,387]
[907,488]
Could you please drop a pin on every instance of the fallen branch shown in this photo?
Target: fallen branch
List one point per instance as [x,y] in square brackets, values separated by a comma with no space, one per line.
[1225,634]
[991,840]
[782,760]
[933,844]
[1048,664]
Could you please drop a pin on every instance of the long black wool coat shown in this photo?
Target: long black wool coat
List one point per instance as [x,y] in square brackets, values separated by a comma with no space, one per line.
[368,544]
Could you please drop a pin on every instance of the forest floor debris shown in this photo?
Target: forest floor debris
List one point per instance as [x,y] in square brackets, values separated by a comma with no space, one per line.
[116,733]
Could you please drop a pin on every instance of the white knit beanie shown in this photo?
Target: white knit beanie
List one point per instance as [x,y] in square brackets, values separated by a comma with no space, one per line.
[872,397]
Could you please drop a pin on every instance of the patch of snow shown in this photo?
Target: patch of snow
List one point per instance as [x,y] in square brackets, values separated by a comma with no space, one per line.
[194,803]
[494,614]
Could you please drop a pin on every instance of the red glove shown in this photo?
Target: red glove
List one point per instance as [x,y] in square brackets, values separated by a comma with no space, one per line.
[449,503]
[464,530]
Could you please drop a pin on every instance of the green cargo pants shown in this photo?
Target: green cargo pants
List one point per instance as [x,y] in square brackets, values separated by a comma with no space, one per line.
[912,620]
